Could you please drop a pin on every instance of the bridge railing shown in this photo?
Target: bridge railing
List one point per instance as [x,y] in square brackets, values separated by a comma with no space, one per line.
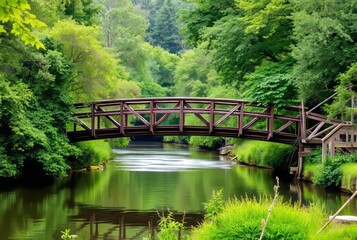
[184,116]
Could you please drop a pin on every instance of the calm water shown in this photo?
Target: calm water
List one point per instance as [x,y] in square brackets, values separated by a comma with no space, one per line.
[141,180]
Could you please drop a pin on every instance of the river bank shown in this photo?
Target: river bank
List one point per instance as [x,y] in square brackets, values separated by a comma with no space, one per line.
[338,172]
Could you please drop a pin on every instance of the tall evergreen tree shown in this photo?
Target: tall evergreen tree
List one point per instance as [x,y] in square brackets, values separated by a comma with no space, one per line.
[165,32]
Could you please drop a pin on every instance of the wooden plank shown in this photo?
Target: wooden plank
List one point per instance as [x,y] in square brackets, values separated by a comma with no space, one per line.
[271,122]
[256,119]
[93,120]
[182,116]
[112,120]
[152,117]
[333,131]
[131,110]
[211,117]
[240,120]
[122,120]
[198,115]
[227,115]
[303,122]
[318,127]
[284,126]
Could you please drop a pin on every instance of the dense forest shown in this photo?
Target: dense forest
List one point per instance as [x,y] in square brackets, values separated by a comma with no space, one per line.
[54,53]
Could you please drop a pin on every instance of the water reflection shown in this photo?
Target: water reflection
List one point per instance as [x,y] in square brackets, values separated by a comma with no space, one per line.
[142,179]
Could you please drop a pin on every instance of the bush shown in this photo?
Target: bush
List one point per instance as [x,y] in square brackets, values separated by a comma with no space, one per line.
[177,139]
[93,153]
[241,219]
[330,174]
[207,142]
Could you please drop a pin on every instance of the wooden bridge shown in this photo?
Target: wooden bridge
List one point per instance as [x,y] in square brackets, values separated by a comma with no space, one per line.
[212,117]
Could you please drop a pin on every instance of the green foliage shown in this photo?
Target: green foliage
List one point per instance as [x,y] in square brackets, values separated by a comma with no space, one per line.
[35,110]
[345,91]
[82,46]
[340,232]
[349,176]
[165,30]
[93,153]
[15,17]
[271,82]
[206,142]
[265,154]
[169,227]
[82,11]
[177,139]
[241,36]
[241,219]
[119,142]
[215,205]
[330,174]
[66,235]
[314,156]
[325,37]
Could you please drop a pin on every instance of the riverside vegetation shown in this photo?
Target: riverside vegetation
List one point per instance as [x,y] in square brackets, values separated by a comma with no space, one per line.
[263,51]
[244,219]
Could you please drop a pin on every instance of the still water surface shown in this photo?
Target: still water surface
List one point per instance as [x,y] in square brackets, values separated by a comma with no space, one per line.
[142,179]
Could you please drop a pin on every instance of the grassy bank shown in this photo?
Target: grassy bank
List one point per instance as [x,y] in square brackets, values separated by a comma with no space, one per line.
[263,154]
[339,171]
[92,153]
[242,219]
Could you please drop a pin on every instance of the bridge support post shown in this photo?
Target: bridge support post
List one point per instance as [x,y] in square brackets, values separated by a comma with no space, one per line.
[300,161]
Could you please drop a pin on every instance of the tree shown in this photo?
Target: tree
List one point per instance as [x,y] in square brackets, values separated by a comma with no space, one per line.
[35,110]
[15,17]
[96,71]
[165,31]
[82,11]
[325,35]
[242,36]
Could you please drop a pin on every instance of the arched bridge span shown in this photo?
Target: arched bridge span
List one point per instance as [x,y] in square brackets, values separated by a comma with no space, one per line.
[185,116]
[213,117]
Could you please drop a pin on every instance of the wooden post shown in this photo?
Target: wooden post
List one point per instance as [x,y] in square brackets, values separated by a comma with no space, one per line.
[339,210]
[300,160]
[93,120]
[303,123]
[331,146]
[182,116]
[211,117]
[152,117]
[122,122]
[324,151]
[271,122]
[352,106]
[240,120]
[91,220]
[98,122]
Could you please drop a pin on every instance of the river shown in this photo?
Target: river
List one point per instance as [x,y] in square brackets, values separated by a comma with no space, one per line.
[143,179]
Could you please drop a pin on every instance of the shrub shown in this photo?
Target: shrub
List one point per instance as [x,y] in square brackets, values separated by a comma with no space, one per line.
[169,227]
[330,174]
[241,219]
[93,153]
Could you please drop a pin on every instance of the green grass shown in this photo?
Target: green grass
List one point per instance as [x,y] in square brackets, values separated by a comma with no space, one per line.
[264,154]
[349,176]
[242,219]
[310,170]
[93,152]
